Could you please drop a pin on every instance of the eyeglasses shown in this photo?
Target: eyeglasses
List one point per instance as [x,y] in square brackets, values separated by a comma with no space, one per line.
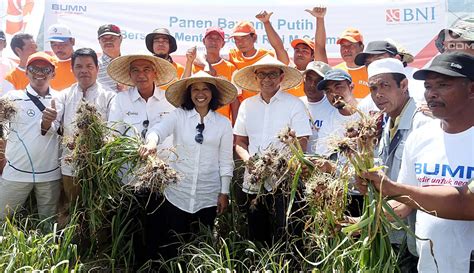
[271,75]
[46,70]
[145,128]
[199,138]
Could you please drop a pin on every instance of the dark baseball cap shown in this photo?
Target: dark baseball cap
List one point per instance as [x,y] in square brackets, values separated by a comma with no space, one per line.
[2,35]
[160,31]
[334,75]
[108,29]
[375,48]
[453,64]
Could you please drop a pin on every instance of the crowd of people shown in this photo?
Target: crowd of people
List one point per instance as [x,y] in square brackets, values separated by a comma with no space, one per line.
[224,106]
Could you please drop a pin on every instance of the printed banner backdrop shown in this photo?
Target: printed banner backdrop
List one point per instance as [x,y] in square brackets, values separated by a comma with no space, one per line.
[413,24]
[21,16]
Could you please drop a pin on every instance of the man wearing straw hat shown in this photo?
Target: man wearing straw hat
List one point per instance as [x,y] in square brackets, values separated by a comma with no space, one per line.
[133,112]
[143,105]
[85,67]
[259,121]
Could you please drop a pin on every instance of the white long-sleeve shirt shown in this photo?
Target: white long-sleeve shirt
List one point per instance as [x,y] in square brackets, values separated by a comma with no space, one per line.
[207,167]
[25,142]
[68,101]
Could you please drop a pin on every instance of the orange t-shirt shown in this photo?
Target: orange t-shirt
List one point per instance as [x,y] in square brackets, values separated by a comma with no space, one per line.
[17,77]
[360,79]
[297,91]
[179,70]
[64,77]
[240,61]
[225,70]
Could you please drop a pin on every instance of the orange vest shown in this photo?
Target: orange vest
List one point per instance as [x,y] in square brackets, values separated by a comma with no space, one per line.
[297,91]
[17,77]
[360,79]
[179,71]
[64,77]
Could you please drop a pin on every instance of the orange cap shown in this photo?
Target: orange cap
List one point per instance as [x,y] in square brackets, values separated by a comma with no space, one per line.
[243,28]
[352,35]
[305,41]
[41,56]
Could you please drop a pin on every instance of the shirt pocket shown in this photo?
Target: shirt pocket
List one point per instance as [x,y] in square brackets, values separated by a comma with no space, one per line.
[133,123]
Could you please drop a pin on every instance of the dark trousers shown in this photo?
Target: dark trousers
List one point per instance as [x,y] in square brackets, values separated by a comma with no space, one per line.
[180,226]
[267,218]
[149,237]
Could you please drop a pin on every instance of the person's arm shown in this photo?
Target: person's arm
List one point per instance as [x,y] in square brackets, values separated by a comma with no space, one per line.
[400,209]
[190,57]
[320,34]
[442,201]
[234,109]
[158,133]
[226,166]
[273,37]
[303,142]
[242,147]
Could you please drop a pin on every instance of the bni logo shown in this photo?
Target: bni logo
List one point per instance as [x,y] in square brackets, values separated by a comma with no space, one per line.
[410,15]
[392,15]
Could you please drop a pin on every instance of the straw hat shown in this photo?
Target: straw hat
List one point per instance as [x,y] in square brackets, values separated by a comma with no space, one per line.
[245,78]
[176,91]
[119,69]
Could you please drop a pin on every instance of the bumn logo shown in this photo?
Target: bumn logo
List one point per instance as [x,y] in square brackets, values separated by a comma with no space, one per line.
[68,9]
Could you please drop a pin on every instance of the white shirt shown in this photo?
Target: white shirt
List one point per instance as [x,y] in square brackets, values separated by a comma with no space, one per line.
[202,165]
[318,113]
[334,128]
[128,113]
[262,122]
[129,110]
[433,157]
[25,142]
[68,101]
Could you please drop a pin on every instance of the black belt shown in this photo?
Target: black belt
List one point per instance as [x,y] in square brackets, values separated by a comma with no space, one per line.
[16,169]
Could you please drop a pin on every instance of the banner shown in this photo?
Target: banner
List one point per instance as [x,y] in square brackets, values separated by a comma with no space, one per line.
[413,24]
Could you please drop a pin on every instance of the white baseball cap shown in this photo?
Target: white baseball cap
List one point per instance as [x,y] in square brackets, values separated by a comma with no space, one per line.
[59,33]
[386,65]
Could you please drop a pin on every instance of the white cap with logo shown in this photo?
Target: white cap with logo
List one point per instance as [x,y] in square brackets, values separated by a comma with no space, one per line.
[386,65]
[59,33]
